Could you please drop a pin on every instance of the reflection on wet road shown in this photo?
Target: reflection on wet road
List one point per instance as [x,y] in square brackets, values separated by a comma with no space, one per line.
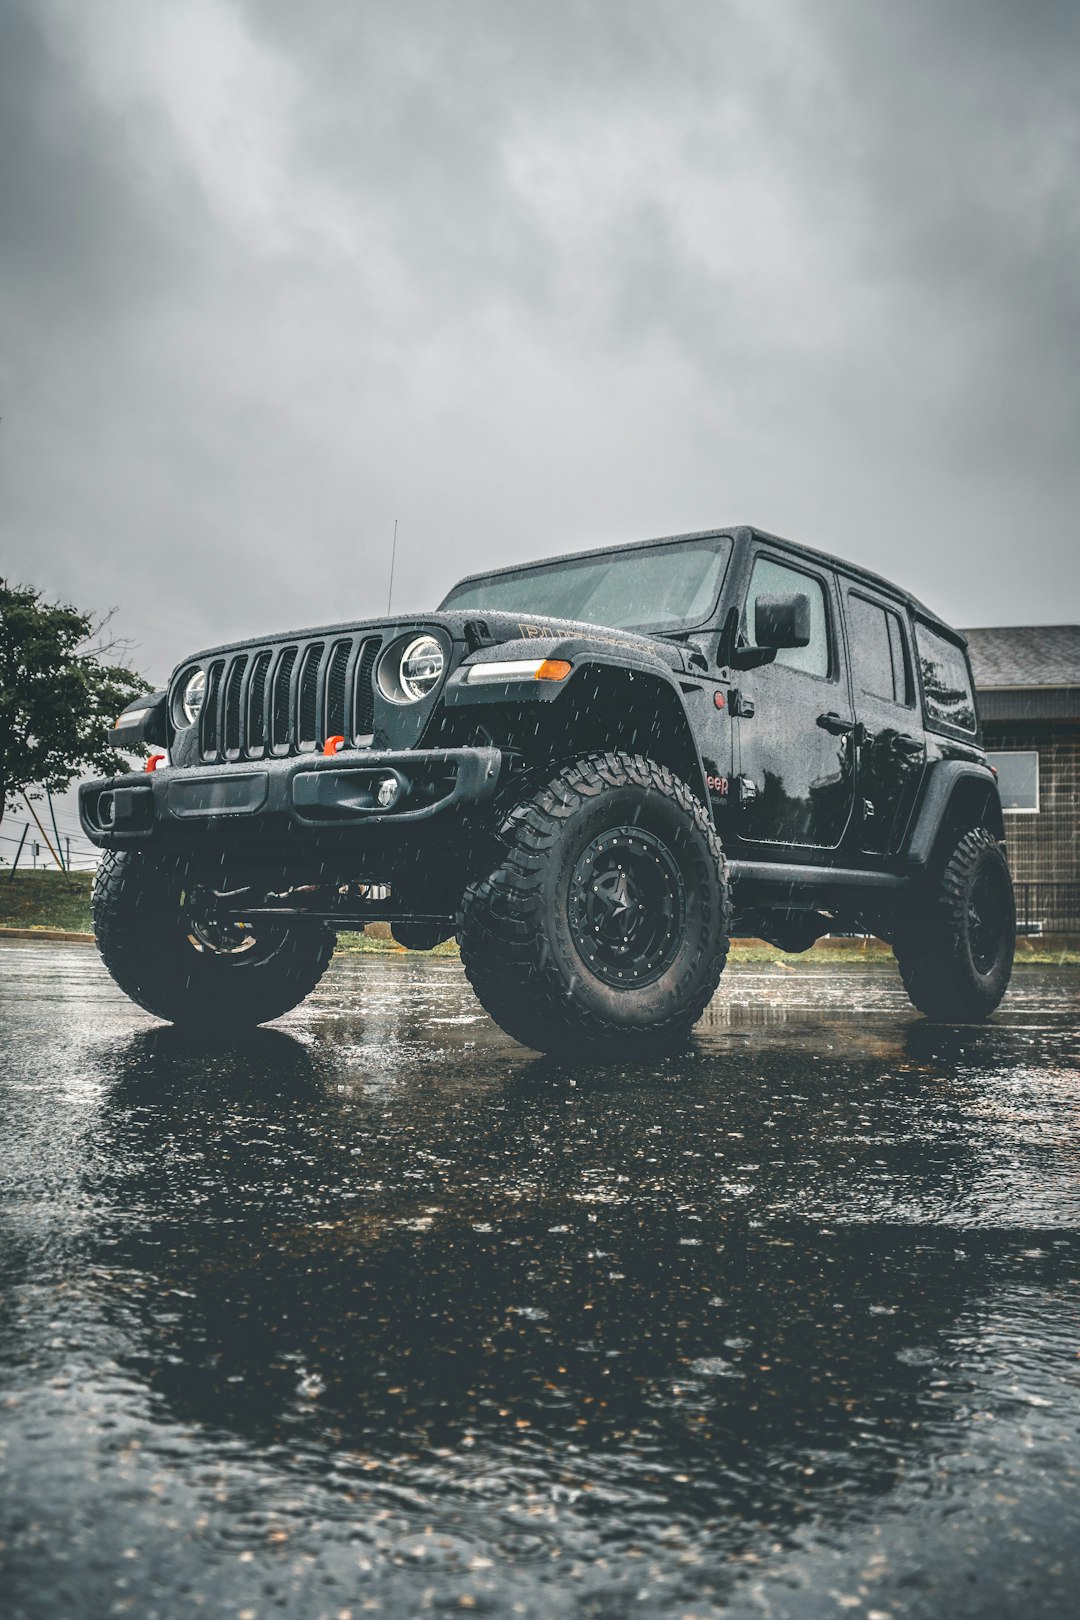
[377,1312]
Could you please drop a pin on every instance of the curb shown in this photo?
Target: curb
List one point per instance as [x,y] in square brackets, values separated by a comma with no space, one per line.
[46,934]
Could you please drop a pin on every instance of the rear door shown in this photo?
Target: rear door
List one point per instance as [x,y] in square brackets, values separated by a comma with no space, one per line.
[796,760]
[890,743]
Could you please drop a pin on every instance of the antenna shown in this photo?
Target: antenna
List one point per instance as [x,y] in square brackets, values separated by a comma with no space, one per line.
[393,557]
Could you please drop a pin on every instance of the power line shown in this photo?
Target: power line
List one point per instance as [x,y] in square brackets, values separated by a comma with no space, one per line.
[75,837]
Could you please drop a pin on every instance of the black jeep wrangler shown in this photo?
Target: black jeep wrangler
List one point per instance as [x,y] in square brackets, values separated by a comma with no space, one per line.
[594,770]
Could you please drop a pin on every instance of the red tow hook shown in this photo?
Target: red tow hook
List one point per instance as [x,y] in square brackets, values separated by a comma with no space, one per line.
[154,761]
[332,744]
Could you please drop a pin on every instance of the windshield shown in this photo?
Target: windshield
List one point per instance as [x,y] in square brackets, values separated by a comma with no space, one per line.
[664,587]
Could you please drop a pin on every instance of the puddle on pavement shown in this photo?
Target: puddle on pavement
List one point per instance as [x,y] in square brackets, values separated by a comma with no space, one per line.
[375,1310]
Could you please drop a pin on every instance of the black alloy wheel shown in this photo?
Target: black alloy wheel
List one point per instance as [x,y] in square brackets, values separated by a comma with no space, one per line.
[212,935]
[956,941]
[989,912]
[627,905]
[160,939]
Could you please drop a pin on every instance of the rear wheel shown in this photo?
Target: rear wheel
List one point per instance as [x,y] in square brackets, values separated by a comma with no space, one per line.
[166,951]
[606,924]
[955,947]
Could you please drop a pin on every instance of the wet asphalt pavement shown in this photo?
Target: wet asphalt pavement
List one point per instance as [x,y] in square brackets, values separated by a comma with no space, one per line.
[377,1313]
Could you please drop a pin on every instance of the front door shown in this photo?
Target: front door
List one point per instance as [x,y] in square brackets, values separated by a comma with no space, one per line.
[890,744]
[796,782]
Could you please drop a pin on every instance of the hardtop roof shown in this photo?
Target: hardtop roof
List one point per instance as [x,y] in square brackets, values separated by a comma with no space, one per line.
[742,534]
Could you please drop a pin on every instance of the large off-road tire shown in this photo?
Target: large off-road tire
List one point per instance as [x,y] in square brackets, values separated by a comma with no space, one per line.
[217,978]
[955,946]
[605,926]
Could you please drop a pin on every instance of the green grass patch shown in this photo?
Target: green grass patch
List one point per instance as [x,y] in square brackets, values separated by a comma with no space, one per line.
[46,900]
[377,942]
[826,953]
[1056,952]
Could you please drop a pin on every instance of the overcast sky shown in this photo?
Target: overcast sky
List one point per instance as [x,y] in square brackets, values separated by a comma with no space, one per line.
[531,277]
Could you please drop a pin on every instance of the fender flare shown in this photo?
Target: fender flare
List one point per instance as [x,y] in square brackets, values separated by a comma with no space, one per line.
[599,668]
[144,720]
[658,689]
[944,781]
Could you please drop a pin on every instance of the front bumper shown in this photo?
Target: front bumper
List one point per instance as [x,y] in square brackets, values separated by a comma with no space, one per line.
[320,799]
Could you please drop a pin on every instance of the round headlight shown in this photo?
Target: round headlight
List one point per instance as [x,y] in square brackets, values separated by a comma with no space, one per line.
[191,698]
[421,668]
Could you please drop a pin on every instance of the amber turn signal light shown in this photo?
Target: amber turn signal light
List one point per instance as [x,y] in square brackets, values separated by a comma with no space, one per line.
[553,669]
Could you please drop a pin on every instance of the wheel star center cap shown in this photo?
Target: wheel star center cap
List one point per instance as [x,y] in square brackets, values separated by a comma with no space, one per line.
[613,893]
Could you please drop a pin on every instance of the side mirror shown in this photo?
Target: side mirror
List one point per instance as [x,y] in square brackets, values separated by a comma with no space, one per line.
[782,621]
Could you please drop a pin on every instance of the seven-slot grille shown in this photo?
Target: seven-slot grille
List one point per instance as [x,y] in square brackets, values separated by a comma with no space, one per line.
[288,700]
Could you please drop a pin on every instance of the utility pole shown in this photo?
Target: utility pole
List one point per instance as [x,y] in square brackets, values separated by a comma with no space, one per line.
[18,852]
[56,832]
[43,833]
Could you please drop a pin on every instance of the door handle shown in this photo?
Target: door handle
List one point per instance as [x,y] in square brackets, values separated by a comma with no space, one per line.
[835,724]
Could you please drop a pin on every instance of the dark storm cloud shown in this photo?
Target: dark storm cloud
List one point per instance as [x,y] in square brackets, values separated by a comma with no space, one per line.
[528,278]
[72,211]
[971,156]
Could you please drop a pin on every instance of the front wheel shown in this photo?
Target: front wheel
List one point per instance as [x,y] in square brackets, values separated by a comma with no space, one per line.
[606,925]
[163,952]
[955,947]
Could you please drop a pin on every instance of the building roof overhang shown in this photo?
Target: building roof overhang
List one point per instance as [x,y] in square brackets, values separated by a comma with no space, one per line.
[1029,702]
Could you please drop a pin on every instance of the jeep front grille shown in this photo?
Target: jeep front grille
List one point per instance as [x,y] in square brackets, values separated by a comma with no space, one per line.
[307,730]
[280,726]
[288,700]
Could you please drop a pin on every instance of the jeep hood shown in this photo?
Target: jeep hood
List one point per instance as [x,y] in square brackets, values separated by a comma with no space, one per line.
[476,630]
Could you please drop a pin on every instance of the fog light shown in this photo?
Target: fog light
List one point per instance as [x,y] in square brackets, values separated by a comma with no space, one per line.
[386,792]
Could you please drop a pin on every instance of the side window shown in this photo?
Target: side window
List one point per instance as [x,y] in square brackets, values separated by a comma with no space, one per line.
[946,683]
[878,660]
[771,578]
[1018,779]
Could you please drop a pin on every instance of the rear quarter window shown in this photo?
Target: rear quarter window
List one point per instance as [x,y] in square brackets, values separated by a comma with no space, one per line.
[946,682]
